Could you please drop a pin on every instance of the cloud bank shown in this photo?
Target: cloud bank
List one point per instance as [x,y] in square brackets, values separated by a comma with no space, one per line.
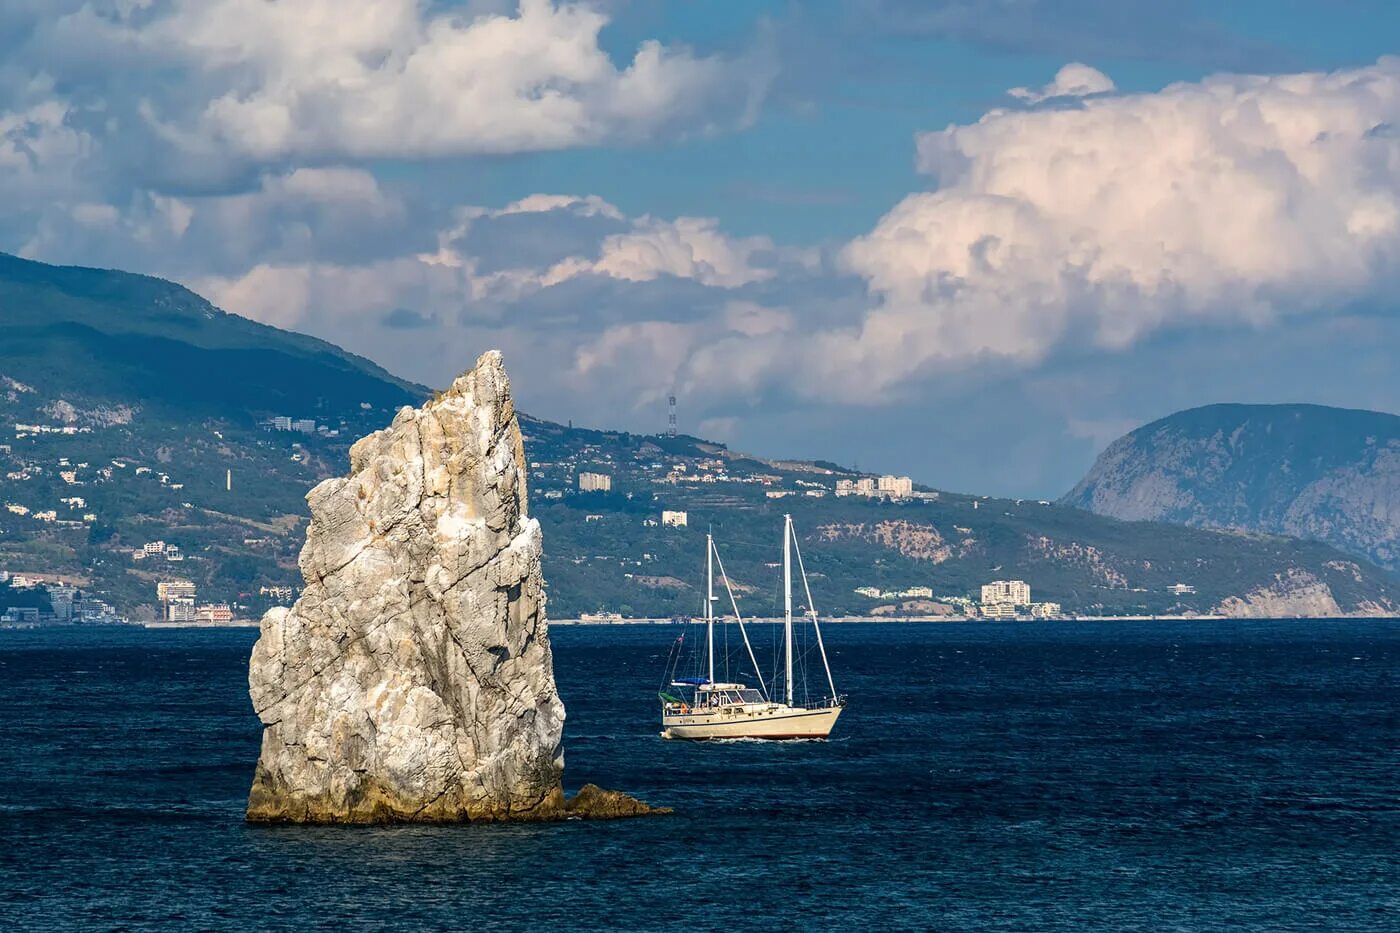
[1236,199]
[371,78]
[208,93]
[1078,226]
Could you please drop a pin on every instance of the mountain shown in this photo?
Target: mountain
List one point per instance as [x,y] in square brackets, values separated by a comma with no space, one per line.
[137,415]
[1324,474]
[100,334]
[133,402]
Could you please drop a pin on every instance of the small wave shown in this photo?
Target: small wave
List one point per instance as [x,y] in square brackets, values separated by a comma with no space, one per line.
[20,808]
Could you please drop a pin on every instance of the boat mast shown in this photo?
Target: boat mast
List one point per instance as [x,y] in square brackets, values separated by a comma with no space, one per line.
[787,605]
[710,604]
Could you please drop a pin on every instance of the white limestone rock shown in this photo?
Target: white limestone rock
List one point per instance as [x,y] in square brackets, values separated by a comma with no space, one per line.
[1295,593]
[413,679]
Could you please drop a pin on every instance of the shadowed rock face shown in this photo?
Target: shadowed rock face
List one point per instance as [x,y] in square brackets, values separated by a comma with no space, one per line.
[413,679]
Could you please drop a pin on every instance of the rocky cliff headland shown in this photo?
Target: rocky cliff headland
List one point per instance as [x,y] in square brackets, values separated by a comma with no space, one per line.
[413,679]
[1306,471]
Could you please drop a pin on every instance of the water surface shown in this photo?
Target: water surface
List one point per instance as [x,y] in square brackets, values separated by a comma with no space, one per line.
[1058,776]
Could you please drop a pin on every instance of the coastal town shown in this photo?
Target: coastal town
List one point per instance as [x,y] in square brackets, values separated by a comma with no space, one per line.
[204,528]
[32,597]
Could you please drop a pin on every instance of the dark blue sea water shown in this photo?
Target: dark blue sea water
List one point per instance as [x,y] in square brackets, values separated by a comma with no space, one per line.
[1059,776]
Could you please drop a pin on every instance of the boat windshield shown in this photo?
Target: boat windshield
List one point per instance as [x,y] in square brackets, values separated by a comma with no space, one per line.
[731,697]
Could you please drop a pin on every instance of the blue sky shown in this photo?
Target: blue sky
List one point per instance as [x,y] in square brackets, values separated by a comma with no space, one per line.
[970,241]
[832,151]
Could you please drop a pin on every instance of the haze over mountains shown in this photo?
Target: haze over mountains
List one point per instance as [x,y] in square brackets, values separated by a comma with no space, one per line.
[1326,474]
[128,402]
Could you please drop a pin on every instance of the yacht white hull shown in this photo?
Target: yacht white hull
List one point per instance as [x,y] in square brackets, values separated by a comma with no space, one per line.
[766,722]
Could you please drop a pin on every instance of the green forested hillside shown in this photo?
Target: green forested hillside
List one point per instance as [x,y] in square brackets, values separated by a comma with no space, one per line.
[105,335]
[953,543]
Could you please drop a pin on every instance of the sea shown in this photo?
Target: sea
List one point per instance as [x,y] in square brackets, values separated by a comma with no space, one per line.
[996,777]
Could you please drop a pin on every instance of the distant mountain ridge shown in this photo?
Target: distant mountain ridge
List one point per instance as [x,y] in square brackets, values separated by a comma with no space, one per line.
[1307,471]
[137,336]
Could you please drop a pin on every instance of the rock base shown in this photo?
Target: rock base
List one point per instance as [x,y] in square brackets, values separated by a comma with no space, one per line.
[594,803]
[372,805]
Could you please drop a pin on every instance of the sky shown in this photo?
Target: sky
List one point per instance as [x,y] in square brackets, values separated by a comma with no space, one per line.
[972,242]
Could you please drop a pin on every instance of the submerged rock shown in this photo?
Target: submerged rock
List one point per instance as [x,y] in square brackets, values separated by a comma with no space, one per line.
[594,803]
[413,679]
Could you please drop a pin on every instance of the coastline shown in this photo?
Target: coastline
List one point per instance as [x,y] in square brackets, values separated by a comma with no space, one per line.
[837,620]
[236,623]
[953,620]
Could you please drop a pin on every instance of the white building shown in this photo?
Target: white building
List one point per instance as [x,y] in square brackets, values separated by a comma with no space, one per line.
[864,486]
[62,597]
[168,590]
[909,592]
[674,519]
[1011,593]
[1045,610]
[181,609]
[897,486]
[594,482]
[214,613]
[154,547]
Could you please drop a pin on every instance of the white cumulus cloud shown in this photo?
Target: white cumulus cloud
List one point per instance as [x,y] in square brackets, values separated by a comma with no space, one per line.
[336,79]
[687,248]
[650,248]
[1236,199]
[1073,80]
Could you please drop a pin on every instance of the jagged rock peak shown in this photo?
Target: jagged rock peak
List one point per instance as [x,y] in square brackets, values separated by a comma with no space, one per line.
[413,679]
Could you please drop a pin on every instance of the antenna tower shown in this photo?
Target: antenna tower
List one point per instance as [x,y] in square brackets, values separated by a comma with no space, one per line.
[671,416]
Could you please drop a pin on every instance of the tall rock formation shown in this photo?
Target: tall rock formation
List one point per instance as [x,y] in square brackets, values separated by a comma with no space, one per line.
[1305,471]
[413,679]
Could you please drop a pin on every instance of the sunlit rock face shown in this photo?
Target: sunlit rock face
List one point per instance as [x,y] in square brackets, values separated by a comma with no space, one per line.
[413,679]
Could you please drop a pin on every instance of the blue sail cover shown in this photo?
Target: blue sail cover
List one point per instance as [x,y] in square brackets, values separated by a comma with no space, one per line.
[692,681]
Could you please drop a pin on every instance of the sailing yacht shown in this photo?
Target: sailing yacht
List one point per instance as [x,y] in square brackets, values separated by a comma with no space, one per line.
[711,709]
